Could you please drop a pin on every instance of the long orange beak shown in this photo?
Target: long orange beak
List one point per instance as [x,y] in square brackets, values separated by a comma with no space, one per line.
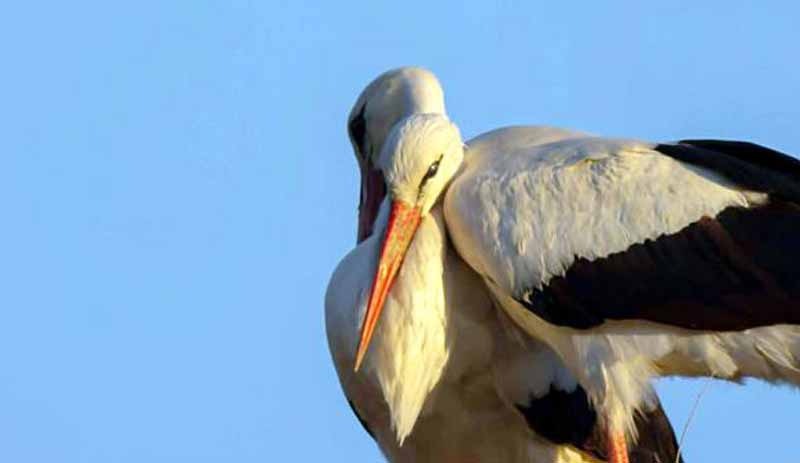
[403,222]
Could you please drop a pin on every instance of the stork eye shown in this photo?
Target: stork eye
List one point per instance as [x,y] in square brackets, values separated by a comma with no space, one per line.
[432,170]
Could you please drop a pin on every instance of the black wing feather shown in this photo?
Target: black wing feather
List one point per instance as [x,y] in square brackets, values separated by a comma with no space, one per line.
[752,166]
[568,418]
[738,270]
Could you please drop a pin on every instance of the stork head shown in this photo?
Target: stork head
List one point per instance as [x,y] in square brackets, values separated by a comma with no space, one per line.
[421,154]
[389,98]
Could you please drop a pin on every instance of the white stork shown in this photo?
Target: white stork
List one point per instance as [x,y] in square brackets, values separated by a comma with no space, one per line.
[630,259]
[448,377]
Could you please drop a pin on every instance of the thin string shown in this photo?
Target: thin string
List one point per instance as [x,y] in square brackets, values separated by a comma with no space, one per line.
[692,412]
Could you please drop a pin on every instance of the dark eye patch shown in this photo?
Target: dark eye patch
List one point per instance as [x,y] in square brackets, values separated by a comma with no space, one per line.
[357,128]
[431,170]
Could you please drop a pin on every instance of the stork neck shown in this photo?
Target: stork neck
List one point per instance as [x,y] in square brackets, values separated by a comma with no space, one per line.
[410,349]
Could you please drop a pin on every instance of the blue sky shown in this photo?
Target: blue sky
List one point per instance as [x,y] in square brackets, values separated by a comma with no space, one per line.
[177,186]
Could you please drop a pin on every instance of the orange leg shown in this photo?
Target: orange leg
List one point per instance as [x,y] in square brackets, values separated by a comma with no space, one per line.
[617,448]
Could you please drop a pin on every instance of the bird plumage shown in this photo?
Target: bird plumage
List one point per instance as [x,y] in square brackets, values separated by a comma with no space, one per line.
[633,262]
[428,390]
[450,378]
[490,388]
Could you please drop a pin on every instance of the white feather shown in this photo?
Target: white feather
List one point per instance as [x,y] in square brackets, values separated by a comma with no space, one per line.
[525,215]
[522,211]
[443,375]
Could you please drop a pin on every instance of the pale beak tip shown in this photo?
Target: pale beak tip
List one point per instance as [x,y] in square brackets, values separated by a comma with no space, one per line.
[359,360]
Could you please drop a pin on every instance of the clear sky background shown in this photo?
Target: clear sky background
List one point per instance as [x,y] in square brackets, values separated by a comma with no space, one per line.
[176,187]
